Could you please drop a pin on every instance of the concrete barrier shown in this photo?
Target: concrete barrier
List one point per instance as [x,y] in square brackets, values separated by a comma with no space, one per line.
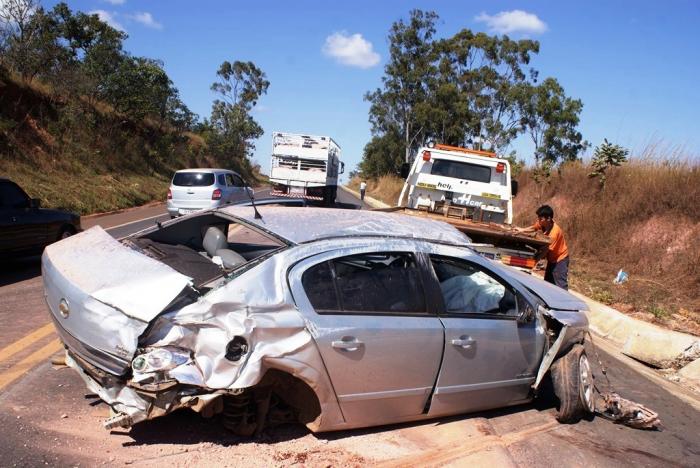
[643,341]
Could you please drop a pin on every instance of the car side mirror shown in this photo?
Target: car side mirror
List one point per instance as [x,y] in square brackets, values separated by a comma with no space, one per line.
[342,167]
[405,169]
[514,187]
[34,203]
[526,313]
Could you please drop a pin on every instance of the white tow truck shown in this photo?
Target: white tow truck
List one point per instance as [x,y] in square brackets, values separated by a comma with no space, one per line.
[473,191]
[305,166]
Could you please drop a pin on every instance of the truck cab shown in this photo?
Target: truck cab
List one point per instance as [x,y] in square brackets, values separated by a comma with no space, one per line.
[449,176]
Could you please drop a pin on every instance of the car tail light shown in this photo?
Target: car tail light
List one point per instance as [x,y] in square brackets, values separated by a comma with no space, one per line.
[426,155]
[216,194]
[522,262]
[170,194]
[501,168]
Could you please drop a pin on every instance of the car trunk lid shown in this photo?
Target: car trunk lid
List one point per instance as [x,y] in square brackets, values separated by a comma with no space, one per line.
[102,295]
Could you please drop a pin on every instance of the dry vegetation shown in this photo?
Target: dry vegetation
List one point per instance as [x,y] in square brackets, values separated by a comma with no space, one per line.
[646,221]
[387,188]
[83,156]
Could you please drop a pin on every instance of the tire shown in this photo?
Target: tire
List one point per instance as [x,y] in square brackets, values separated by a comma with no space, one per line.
[66,231]
[573,385]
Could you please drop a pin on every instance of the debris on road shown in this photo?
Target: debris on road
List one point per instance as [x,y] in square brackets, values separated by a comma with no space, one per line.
[621,277]
[612,406]
[627,412]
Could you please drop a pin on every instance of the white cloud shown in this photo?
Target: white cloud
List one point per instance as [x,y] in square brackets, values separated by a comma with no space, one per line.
[108,17]
[515,21]
[353,50]
[146,19]
[115,2]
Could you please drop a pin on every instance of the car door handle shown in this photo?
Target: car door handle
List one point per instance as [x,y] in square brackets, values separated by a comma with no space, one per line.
[465,343]
[347,345]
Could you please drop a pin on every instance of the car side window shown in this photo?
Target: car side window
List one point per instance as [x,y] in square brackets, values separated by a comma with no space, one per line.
[237,181]
[11,196]
[320,287]
[230,181]
[221,179]
[468,289]
[386,283]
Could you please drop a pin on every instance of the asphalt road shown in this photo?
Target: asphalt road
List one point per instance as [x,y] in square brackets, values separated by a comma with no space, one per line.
[48,419]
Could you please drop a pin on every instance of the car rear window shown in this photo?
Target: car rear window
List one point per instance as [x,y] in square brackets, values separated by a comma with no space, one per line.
[193,179]
[461,170]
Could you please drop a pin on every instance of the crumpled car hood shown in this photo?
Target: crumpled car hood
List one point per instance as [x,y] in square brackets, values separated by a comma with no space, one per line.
[553,296]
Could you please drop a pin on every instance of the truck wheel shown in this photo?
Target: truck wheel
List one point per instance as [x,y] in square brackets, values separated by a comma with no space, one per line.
[573,385]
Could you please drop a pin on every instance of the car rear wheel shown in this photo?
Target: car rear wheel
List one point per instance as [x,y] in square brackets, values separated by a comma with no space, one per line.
[573,385]
[66,231]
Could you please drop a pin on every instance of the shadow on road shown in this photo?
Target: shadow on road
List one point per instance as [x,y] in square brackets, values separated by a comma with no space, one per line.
[16,270]
[187,428]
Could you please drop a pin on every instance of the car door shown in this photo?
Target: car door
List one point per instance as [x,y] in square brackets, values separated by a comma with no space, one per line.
[21,227]
[378,338]
[490,359]
[239,193]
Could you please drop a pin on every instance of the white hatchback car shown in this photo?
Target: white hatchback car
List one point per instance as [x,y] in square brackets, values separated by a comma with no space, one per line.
[196,189]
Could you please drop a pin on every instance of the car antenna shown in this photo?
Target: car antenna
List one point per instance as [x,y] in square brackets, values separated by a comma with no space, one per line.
[252,202]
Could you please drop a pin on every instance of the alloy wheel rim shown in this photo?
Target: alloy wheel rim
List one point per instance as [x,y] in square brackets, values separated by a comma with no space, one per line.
[586,383]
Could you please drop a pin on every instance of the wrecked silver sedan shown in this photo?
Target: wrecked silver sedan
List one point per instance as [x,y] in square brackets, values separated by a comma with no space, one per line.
[333,318]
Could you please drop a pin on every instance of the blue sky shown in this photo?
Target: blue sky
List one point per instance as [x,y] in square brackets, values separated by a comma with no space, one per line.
[634,64]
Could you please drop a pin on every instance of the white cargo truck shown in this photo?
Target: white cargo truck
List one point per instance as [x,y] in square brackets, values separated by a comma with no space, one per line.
[473,191]
[305,166]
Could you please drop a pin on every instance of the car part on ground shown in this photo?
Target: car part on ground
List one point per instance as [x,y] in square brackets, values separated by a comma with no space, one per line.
[317,323]
[629,413]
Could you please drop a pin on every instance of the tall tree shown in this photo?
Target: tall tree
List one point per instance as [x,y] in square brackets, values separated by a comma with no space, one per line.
[401,104]
[239,86]
[550,118]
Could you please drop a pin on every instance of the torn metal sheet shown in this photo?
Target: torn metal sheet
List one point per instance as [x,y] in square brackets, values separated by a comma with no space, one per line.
[573,328]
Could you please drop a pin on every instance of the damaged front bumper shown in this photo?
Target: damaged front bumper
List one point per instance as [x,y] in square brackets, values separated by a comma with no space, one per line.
[131,402]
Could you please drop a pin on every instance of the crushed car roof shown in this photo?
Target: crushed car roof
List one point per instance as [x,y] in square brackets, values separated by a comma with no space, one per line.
[300,225]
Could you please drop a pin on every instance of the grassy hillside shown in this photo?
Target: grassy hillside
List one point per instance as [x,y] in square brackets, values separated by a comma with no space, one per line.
[83,155]
[645,221]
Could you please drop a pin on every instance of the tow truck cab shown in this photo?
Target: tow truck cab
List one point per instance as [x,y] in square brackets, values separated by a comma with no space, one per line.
[477,181]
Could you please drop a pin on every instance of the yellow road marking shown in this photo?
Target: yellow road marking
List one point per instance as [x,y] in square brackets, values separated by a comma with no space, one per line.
[19,369]
[22,343]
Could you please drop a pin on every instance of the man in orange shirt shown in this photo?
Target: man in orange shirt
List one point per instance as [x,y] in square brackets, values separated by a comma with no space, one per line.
[557,253]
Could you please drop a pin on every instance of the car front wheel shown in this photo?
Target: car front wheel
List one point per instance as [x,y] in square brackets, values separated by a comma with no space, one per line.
[573,385]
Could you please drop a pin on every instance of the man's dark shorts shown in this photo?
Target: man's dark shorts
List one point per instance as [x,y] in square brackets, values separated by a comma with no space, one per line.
[558,273]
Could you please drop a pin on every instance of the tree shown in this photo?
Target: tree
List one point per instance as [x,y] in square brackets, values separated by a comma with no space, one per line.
[606,156]
[489,77]
[550,118]
[30,38]
[401,106]
[382,155]
[139,87]
[233,129]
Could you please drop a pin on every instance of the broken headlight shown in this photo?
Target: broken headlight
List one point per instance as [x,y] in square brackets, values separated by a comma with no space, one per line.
[158,359]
